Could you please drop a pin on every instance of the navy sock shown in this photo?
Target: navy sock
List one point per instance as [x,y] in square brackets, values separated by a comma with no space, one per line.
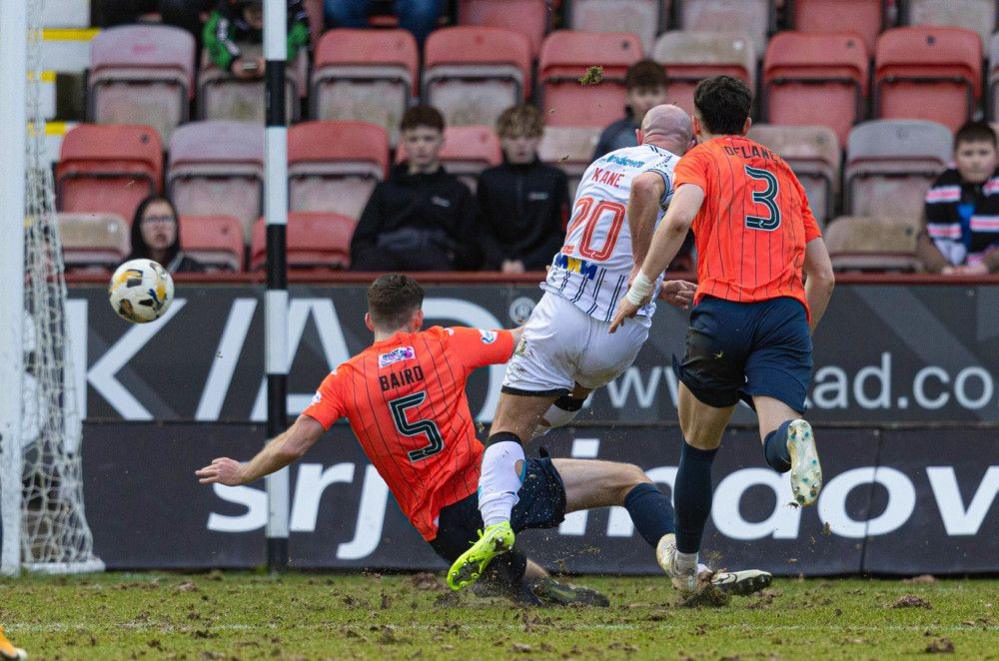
[775,448]
[650,511]
[692,493]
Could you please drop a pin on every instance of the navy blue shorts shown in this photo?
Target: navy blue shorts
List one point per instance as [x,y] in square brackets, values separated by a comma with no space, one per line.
[541,504]
[742,350]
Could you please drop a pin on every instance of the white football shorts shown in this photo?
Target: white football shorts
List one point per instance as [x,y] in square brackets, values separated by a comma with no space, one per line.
[562,346]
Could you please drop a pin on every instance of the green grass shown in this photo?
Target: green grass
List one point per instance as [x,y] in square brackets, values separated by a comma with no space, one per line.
[318,616]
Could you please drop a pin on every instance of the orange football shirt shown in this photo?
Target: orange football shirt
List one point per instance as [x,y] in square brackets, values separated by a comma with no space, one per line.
[754,222]
[405,400]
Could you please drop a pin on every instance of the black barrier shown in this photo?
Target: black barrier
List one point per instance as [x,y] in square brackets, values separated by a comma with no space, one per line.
[884,353]
[895,502]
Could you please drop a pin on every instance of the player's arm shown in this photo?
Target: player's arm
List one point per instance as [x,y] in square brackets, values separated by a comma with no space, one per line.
[647,190]
[819,279]
[281,451]
[666,243]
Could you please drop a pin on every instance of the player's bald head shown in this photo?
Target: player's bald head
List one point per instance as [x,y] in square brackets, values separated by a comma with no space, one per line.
[667,126]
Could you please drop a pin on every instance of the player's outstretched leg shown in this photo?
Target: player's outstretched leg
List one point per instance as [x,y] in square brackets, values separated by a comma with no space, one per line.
[790,447]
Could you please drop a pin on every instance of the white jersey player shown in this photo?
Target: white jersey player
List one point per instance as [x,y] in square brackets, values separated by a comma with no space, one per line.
[566,349]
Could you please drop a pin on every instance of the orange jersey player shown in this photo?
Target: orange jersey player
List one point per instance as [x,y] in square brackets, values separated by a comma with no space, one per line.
[754,309]
[404,397]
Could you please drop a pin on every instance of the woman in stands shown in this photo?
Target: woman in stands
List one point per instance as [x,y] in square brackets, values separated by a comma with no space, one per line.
[156,236]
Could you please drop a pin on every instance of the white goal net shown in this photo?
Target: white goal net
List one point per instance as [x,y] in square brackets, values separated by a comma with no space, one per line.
[52,528]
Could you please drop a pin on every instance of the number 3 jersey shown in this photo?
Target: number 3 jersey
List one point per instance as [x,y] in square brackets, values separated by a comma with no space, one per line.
[753,225]
[404,398]
[596,259]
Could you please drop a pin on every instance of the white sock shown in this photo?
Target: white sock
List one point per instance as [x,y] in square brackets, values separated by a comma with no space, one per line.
[499,481]
[559,417]
[685,563]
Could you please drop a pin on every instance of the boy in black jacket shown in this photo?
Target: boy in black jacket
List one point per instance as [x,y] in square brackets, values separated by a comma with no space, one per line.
[421,218]
[523,203]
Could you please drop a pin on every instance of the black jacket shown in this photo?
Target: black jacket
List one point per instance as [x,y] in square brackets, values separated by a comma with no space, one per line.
[435,205]
[618,135]
[522,212]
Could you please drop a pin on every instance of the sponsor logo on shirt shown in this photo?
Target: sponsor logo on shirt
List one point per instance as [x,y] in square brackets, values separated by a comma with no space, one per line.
[395,356]
[488,337]
[440,201]
[537,196]
[621,160]
[318,397]
[576,265]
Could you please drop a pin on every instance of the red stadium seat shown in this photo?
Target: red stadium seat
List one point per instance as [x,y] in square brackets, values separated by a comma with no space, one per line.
[813,152]
[334,166]
[529,17]
[93,242]
[108,168]
[891,164]
[315,240]
[753,17]
[992,108]
[215,242]
[928,73]
[643,18]
[815,79]
[222,96]
[365,75]
[865,17]
[571,149]
[473,74]
[975,15]
[885,243]
[217,168]
[566,56]
[689,57]
[141,74]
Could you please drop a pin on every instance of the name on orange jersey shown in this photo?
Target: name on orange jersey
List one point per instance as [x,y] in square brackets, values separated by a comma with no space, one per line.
[749,152]
[602,176]
[405,377]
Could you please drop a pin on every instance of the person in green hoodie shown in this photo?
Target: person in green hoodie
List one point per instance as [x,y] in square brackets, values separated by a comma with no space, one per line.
[237,23]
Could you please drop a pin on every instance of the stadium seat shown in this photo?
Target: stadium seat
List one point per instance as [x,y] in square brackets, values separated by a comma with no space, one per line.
[467,151]
[566,56]
[975,15]
[813,153]
[571,149]
[752,17]
[928,73]
[334,166]
[992,107]
[108,168]
[890,165]
[315,240]
[689,57]
[865,17]
[217,168]
[141,74]
[815,79]
[529,17]
[223,97]
[365,75]
[473,74]
[93,242]
[885,243]
[215,242]
[643,18]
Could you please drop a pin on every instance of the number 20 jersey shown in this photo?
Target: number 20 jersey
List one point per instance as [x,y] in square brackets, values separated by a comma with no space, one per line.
[592,269]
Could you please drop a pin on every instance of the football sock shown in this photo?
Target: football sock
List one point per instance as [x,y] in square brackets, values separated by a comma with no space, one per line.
[650,511]
[499,481]
[775,448]
[563,411]
[692,493]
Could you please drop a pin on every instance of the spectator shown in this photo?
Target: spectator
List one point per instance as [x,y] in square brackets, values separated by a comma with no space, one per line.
[523,203]
[421,218]
[156,236]
[645,83]
[962,233]
[418,16]
[236,22]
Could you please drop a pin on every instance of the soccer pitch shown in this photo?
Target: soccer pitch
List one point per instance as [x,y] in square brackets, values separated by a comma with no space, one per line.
[325,616]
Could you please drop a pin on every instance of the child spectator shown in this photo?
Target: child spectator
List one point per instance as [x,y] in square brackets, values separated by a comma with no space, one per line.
[962,208]
[523,203]
[421,218]
[645,83]
[418,16]
[156,236]
[236,22]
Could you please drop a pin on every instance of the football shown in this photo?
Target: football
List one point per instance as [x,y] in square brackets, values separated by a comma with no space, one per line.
[140,291]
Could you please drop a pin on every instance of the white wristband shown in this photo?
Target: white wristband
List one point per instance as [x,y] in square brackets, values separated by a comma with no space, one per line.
[640,290]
